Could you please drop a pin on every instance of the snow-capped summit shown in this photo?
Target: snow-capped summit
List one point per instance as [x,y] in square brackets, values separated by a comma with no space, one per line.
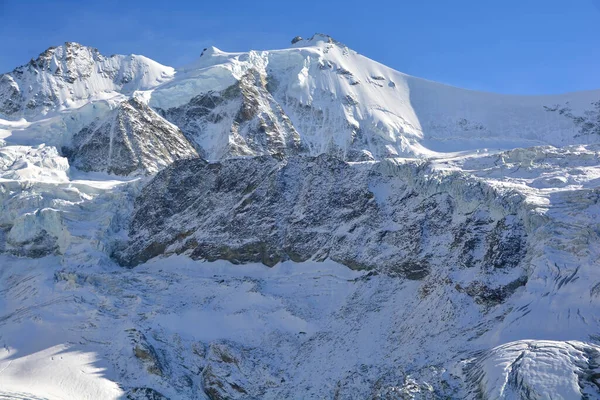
[343,103]
[69,76]
[315,40]
[318,96]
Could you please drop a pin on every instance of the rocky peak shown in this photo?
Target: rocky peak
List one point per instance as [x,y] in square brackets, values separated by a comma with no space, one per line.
[65,52]
[71,74]
[314,40]
[242,120]
[70,61]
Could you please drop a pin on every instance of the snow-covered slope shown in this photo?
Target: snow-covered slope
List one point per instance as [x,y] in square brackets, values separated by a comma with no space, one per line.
[316,97]
[83,103]
[464,266]
[343,103]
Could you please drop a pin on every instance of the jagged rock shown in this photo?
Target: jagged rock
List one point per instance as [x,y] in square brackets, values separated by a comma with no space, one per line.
[41,245]
[383,216]
[70,73]
[145,393]
[146,353]
[242,120]
[132,139]
[233,373]
[217,381]
[466,251]
[488,296]
[389,385]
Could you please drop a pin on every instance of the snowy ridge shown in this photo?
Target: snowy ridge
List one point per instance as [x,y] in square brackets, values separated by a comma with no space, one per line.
[71,75]
[399,238]
[316,97]
[344,103]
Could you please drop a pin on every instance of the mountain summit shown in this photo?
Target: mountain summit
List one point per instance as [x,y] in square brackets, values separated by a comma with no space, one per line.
[71,75]
[317,97]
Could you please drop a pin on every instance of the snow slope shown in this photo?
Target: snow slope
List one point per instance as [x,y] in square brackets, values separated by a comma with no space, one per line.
[192,329]
[471,176]
[342,102]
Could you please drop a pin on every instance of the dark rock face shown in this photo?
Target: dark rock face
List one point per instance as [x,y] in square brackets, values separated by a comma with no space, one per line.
[233,372]
[131,139]
[488,296]
[383,216]
[71,72]
[241,120]
[41,245]
[10,97]
[214,376]
[146,353]
[145,393]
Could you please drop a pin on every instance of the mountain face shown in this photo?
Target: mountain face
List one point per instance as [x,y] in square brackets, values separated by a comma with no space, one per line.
[332,100]
[386,217]
[71,75]
[131,139]
[294,223]
[242,120]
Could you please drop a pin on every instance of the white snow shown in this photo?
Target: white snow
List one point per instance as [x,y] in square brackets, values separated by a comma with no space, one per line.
[541,369]
[331,94]
[93,77]
[415,117]
[54,373]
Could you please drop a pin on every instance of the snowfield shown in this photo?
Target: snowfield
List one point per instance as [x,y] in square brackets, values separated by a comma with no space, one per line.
[355,233]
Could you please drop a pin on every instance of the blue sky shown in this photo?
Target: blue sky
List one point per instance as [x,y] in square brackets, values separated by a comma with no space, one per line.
[525,47]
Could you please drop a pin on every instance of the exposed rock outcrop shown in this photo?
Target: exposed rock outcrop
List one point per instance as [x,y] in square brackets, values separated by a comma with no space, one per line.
[242,120]
[388,216]
[132,139]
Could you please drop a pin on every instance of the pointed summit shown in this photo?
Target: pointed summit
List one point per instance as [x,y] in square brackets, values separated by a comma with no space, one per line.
[70,61]
[131,140]
[314,40]
[70,75]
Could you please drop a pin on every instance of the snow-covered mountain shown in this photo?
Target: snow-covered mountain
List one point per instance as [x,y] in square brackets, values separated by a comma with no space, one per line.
[294,223]
[71,75]
[343,103]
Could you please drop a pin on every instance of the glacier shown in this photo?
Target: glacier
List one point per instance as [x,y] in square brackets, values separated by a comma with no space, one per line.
[294,223]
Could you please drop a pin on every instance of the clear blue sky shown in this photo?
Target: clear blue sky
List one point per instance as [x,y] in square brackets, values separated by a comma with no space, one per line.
[509,46]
